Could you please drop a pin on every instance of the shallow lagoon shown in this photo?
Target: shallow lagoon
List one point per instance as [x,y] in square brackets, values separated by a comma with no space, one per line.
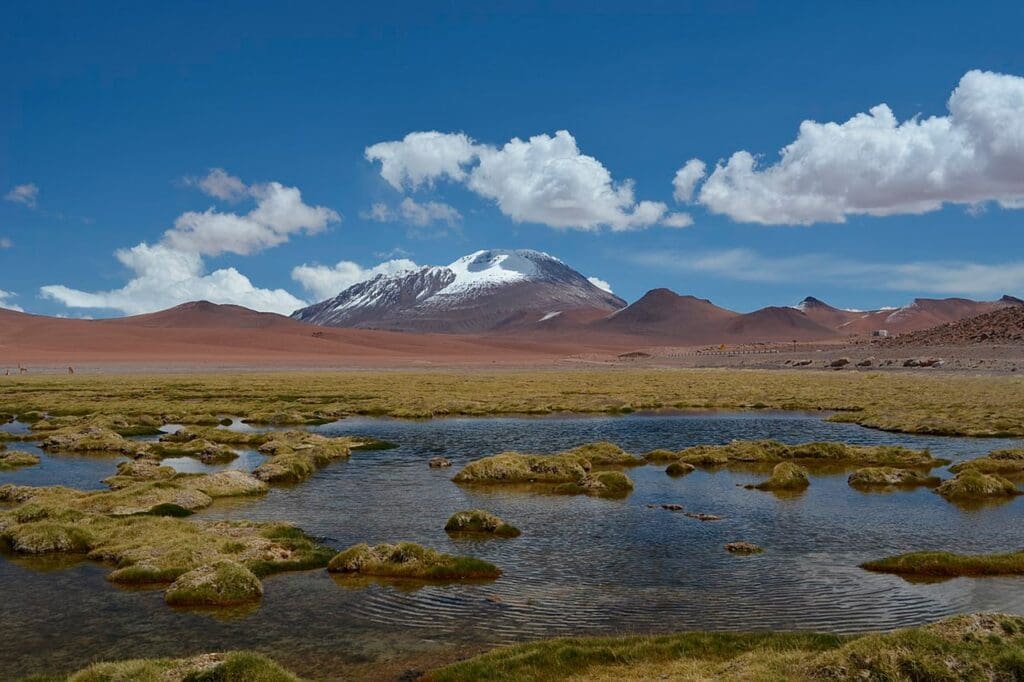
[582,566]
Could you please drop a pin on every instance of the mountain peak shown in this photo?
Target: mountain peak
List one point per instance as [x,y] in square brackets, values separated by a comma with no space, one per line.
[480,291]
[812,302]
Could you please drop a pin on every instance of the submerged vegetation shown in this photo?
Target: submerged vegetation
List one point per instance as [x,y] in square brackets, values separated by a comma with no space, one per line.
[949,565]
[973,647]
[939,404]
[480,522]
[409,560]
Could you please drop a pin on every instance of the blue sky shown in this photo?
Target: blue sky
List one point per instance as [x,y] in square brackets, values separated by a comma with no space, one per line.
[113,115]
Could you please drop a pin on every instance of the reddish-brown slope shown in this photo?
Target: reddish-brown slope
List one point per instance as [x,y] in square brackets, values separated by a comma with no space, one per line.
[776,324]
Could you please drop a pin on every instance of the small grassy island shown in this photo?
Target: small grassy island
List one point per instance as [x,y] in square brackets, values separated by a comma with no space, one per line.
[971,484]
[1003,462]
[570,473]
[138,531]
[785,476]
[15,459]
[407,560]
[805,454]
[481,523]
[948,565]
[890,477]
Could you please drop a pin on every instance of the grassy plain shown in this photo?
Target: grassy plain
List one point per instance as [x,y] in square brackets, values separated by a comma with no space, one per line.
[942,404]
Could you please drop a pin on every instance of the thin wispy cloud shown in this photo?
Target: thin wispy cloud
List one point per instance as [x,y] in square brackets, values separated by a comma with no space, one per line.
[26,195]
[7,304]
[933,277]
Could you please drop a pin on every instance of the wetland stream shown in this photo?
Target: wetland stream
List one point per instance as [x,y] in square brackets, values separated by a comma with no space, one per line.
[583,565]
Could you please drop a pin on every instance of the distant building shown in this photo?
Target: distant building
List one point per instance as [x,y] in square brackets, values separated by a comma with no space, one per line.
[880,332]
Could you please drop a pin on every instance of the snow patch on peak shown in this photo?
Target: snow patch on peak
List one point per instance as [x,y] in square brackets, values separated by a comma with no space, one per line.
[548,316]
[495,267]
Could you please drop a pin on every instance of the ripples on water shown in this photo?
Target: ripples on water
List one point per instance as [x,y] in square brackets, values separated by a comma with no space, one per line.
[582,565]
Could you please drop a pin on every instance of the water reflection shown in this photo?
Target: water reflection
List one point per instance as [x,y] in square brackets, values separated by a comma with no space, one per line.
[582,566]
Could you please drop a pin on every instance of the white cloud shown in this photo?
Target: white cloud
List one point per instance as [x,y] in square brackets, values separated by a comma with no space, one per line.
[686,179]
[220,184]
[172,271]
[601,284]
[26,194]
[421,158]
[677,220]
[873,164]
[544,179]
[931,277]
[279,213]
[414,213]
[5,243]
[8,305]
[325,281]
[164,277]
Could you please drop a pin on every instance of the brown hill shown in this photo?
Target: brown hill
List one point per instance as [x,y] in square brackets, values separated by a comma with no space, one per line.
[664,315]
[825,314]
[1003,326]
[924,313]
[207,334]
[777,324]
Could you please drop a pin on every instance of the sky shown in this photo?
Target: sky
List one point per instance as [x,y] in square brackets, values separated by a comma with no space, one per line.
[271,154]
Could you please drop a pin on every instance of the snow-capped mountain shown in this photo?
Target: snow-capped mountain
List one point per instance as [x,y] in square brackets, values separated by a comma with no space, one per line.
[483,291]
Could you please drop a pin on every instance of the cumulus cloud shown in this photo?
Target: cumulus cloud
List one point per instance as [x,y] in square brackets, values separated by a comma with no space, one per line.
[686,179]
[220,184]
[7,304]
[327,281]
[545,179]
[931,277]
[164,277]
[874,164]
[414,213]
[279,213]
[600,284]
[422,157]
[26,195]
[172,271]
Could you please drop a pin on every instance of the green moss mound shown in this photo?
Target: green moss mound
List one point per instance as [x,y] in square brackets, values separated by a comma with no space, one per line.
[225,583]
[807,454]
[1004,462]
[971,484]
[604,453]
[680,469]
[15,459]
[514,467]
[205,451]
[236,666]
[785,476]
[890,477]
[599,484]
[409,560]
[480,522]
[949,565]
[973,647]
[296,455]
